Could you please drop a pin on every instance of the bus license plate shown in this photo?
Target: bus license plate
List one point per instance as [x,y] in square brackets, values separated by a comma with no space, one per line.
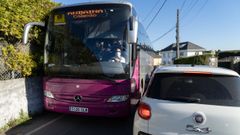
[78,109]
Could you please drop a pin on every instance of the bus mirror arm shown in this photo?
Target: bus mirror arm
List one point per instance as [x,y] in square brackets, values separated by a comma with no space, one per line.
[132,30]
[134,52]
[131,23]
[27,28]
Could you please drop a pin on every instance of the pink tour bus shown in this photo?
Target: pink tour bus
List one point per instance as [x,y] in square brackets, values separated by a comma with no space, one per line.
[96,59]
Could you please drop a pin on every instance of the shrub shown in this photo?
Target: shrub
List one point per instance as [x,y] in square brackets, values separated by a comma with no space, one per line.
[196,60]
[228,54]
[18,59]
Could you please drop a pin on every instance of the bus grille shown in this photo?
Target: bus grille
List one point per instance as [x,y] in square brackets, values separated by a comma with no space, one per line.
[84,99]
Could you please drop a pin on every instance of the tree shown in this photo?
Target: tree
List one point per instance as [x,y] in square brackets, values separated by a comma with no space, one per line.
[14,14]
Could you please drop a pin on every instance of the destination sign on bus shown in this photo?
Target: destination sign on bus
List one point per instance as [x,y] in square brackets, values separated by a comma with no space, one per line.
[85,13]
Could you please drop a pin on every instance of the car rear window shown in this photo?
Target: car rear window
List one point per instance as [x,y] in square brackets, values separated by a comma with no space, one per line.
[197,88]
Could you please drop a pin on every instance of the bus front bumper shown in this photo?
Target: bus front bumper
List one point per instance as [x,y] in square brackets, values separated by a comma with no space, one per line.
[106,109]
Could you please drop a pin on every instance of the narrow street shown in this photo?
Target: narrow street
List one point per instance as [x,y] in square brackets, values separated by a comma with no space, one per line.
[58,124]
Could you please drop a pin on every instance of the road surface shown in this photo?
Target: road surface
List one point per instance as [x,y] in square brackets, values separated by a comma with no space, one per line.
[50,123]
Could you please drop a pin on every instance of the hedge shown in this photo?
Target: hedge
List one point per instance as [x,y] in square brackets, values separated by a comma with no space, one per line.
[228,54]
[196,60]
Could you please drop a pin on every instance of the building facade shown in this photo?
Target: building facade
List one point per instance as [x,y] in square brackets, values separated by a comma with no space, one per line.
[186,49]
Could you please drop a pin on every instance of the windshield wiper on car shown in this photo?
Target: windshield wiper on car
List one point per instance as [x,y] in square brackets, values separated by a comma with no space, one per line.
[185,99]
[106,78]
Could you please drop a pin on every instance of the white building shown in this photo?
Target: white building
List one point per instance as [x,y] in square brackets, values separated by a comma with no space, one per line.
[186,49]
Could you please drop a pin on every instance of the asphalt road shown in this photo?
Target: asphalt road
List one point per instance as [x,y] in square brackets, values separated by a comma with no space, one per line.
[50,123]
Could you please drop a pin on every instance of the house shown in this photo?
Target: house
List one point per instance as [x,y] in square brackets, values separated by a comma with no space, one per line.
[186,49]
[157,59]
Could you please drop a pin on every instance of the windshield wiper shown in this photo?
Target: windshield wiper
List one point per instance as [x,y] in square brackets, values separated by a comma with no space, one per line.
[185,99]
[106,78]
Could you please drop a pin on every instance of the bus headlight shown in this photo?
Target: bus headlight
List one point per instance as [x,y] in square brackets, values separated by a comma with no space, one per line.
[119,98]
[48,94]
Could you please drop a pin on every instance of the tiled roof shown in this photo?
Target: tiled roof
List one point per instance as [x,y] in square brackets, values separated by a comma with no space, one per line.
[183,46]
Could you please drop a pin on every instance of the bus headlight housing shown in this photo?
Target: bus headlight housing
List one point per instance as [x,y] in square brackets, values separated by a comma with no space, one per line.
[118,98]
[48,94]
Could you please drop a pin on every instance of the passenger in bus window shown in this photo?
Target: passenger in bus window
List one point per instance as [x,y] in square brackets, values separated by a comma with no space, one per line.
[118,57]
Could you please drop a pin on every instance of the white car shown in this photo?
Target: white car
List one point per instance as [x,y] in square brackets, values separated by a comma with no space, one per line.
[190,100]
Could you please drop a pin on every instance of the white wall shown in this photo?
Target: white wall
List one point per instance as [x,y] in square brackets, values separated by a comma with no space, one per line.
[193,53]
[20,95]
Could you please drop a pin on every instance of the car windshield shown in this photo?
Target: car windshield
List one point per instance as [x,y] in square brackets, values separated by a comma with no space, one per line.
[84,40]
[194,88]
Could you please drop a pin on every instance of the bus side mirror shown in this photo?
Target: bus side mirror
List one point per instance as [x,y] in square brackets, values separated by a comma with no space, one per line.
[132,30]
[27,28]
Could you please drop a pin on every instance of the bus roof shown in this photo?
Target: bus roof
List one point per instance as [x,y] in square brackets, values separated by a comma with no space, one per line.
[94,3]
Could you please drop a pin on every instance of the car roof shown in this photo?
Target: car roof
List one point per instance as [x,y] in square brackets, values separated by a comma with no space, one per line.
[195,69]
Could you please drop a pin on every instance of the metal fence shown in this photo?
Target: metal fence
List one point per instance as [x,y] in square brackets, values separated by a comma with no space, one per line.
[6,73]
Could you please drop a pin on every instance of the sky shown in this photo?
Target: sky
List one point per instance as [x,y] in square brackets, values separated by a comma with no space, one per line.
[212,24]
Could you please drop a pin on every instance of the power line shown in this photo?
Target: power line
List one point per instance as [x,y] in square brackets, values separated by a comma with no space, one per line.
[183,5]
[200,10]
[172,28]
[163,35]
[190,4]
[194,4]
[155,5]
[156,14]
[203,6]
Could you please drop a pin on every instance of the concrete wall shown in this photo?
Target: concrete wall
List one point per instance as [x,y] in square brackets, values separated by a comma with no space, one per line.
[20,95]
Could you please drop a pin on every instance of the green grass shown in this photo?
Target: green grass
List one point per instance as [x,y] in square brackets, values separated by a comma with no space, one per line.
[23,117]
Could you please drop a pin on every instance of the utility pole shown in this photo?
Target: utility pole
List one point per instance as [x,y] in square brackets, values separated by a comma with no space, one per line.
[177,35]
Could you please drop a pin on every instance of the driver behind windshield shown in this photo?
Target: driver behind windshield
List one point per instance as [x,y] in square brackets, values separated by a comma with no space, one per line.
[118,56]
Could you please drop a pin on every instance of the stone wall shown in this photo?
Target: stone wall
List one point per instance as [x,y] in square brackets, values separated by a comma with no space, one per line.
[20,95]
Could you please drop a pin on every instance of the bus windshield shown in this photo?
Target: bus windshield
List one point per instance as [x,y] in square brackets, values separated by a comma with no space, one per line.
[88,40]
